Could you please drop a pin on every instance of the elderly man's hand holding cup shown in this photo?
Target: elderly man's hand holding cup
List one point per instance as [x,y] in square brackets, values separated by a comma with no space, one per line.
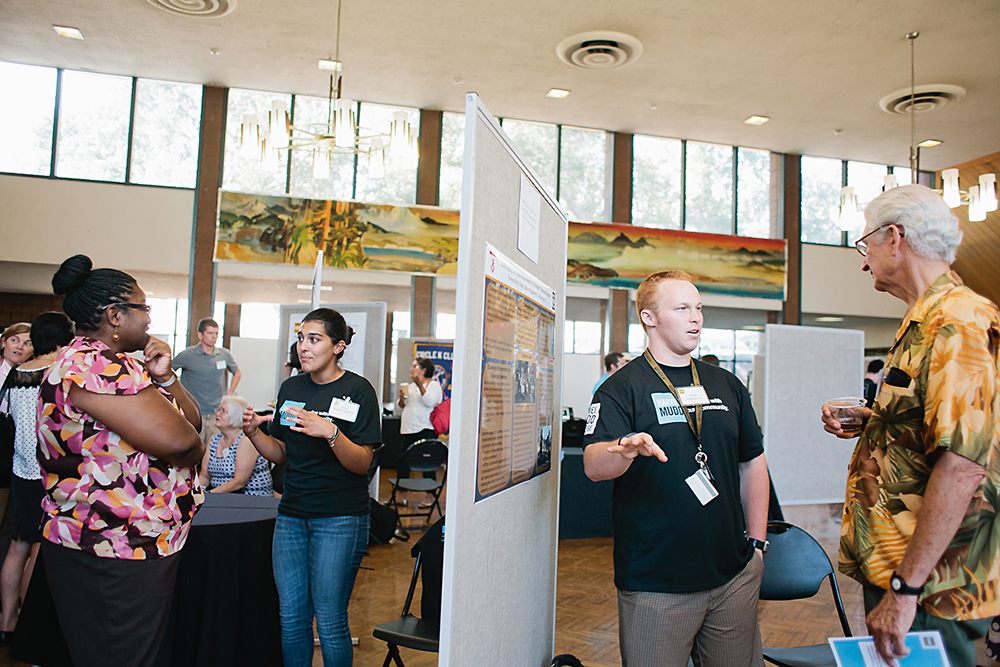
[845,417]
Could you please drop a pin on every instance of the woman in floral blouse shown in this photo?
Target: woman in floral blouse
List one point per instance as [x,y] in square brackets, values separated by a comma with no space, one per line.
[118,442]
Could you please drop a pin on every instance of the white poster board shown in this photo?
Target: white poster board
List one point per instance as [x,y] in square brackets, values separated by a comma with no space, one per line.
[805,367]
[498,593]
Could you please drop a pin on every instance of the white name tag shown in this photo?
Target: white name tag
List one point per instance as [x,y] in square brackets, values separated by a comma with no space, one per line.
[345,409]
[693,395]
[221,365]
[702,486]
[592,416]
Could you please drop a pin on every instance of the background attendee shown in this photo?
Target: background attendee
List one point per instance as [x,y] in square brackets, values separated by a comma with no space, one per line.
[203,373]
[50,332]
[612,362]
[118,442]
[921,527]
[16,347]
[689,509]
[872,379]
[709,359]
[231,462]
[418,399]
[327,425]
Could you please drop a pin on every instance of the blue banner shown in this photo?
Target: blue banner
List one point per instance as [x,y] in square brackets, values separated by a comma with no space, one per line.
[441,355]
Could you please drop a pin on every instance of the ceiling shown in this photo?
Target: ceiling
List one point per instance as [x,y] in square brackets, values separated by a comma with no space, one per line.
[813,67]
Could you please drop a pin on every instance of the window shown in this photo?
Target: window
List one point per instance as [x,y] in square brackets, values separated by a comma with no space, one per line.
[26,127]
[903,175]
[656,182]
[400,329]
[708,200]
[636,340]
[444,326]
[581,337]
[753,193]
[538,144]
[582,185]
[399,184]
[246,173]
[452,155]
[168,321]
[311,114]
[867,180]
[94,113]
[165,133]
[259,320]
[820,209]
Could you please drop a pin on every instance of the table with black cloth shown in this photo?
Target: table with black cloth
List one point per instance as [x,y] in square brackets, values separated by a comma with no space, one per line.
[225,607]
[584,506]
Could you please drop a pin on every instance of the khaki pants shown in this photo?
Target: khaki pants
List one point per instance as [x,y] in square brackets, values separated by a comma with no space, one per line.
[208,428]
[715,628]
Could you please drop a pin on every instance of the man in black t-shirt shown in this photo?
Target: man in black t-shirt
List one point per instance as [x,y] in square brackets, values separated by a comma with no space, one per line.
[689,510]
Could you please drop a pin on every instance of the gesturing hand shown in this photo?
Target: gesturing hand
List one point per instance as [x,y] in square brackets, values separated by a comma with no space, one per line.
[310,423]
[158,359]
[252,421]
[638,444]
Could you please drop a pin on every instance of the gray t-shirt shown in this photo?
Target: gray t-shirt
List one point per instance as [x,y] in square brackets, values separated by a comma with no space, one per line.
[205,375]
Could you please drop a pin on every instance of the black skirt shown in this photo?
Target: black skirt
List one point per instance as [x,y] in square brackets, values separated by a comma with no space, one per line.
[26,522]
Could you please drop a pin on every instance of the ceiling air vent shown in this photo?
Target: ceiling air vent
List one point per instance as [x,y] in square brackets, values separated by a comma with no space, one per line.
[205,9]
[599,50]
[925,98]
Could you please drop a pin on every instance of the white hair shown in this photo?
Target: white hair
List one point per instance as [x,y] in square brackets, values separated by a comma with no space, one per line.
[235,405]
[930,228]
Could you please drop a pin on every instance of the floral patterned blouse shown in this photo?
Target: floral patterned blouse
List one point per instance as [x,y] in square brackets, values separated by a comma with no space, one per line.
[941,391]
[102,495]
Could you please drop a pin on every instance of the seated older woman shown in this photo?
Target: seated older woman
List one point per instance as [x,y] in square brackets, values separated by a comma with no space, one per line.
[232,464]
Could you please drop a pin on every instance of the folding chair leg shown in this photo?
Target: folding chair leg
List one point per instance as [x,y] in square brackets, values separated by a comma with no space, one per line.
[393,656]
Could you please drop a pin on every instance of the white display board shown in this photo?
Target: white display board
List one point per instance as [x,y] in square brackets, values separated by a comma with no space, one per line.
[255,357]
[498,593]
[803,368]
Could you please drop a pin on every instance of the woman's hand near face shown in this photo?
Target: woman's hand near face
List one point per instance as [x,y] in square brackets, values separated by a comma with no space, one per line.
[158,359]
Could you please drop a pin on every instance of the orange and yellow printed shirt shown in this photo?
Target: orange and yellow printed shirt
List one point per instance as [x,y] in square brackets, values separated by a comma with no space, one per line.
[949,399]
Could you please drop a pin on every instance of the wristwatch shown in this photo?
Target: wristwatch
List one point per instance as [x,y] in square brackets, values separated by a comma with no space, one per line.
[899,585]
[759,544]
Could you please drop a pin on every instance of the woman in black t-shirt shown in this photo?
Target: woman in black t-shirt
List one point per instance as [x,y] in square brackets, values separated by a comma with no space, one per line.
[326,426]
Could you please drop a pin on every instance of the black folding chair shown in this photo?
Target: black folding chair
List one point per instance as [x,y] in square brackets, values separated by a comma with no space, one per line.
[408,631]
[795,566]
[422,456]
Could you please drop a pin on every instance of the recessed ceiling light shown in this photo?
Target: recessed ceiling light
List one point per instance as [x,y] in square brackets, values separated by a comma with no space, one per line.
[323,288]
[829,319]
[752,327]
[557,93]
[930,143]
[330,65]
[756,120]
[72,33]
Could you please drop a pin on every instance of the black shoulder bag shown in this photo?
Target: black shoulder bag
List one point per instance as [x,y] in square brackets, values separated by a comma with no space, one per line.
[6,437]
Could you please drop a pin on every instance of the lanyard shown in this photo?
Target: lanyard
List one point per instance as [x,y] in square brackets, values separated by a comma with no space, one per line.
[695,424]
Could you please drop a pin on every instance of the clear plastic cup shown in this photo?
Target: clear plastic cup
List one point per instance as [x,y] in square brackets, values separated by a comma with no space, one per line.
[848,411]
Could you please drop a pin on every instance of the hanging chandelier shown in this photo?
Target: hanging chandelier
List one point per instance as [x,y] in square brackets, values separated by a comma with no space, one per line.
[340,135]
[981,198]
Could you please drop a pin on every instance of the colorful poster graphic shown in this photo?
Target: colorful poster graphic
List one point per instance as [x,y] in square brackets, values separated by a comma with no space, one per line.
[621,256]
[424,239]
[441,355]
[517,394]
[352,235]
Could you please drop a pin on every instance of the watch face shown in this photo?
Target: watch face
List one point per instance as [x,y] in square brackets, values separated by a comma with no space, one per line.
[895,583]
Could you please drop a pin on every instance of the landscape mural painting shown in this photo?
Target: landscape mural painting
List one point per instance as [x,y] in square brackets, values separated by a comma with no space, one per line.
[424,239]
[620,256]
[352,235]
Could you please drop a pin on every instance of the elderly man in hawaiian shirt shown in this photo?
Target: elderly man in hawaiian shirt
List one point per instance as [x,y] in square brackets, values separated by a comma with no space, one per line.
[921,527]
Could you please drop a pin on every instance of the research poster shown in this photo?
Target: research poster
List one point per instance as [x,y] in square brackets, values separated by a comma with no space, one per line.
[517,405]
[441,355]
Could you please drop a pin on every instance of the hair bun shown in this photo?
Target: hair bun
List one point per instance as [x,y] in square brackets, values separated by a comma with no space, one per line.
[72,275]
[350,335]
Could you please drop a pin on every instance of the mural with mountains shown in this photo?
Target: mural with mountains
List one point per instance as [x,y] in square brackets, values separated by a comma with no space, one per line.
[424,239]
[621,256]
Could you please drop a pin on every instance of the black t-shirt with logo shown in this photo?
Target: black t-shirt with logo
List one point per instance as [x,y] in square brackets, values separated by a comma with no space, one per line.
[316,483]
[665,540]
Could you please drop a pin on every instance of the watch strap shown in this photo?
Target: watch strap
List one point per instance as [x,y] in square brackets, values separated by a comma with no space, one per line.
[899,585]
[759,544]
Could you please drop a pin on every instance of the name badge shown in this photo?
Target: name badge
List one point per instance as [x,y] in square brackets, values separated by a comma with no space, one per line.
[702,486]
[693,395]
[221,365]
[283,411]
[344,408]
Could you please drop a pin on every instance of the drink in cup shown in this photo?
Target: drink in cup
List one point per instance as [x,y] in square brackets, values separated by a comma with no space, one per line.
[848,411]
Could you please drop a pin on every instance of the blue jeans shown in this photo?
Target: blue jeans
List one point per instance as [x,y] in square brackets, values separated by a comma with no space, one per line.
[315,564]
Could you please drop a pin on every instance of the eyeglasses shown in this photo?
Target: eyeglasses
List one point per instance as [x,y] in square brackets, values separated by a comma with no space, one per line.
[862,247]
[138,306]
